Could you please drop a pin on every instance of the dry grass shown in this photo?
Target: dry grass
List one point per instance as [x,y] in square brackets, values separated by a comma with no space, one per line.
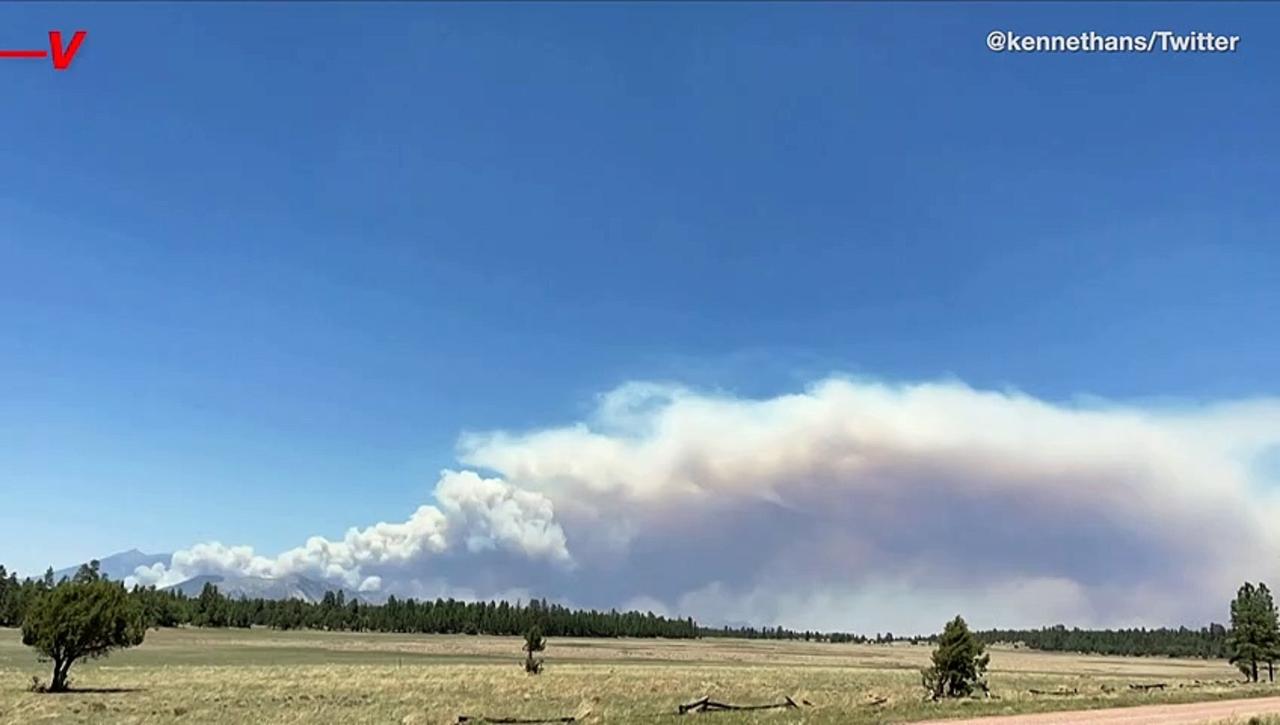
[309,677]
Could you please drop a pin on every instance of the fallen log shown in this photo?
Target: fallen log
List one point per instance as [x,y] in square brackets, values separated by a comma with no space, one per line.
[877,702]
[1148,688]
[1072,691]
[514,720]
[706,704]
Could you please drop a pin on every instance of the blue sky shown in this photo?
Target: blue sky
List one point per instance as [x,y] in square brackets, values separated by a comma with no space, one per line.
[260,265]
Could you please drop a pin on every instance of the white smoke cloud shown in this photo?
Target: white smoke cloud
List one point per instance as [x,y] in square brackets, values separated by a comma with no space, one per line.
[478,513]
[848,503]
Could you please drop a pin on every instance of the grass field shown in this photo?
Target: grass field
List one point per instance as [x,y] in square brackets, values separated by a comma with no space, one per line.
[226,676]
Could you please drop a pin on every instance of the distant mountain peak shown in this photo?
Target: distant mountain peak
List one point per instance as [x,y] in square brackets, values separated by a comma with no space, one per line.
[119,565]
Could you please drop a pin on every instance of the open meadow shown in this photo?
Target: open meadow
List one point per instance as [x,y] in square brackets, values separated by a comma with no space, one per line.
[218,675]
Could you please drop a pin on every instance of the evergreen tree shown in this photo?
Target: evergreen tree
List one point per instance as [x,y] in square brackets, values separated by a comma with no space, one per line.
[81,619]
[959,664]
[211,608]
[1269,629]
[533,642]
[10,599]
[1255,636]
[88,572]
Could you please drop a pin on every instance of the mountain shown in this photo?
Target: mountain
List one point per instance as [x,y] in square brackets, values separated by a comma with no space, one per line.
[252,587]
[118,566]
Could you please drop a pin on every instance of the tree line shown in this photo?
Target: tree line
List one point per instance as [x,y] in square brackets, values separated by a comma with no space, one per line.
[1211,642]
[211,608]
[1207,642]
[808,635]
[407,616]
[1252,640]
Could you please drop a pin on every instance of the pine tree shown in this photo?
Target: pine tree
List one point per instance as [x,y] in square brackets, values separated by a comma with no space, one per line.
[1253,629]
[88,572]
[211,607]
[959,664]
[533,642]
[1269,629]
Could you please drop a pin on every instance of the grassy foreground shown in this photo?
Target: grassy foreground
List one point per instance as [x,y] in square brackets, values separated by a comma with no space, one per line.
[194,675]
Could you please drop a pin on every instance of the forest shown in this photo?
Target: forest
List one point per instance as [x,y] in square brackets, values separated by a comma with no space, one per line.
[169,608]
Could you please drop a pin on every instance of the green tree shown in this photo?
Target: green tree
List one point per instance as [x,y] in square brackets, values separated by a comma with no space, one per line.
[959,663]
[81,619]
[1255,633]
[88,572]
[10,599]
[1268,628]
[212,609]
[1273,631]
[533,642]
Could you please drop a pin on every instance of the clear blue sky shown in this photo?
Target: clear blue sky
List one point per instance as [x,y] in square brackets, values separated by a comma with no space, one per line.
[261,264]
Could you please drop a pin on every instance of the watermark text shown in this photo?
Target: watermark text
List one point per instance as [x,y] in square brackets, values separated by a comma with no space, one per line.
[1157,41]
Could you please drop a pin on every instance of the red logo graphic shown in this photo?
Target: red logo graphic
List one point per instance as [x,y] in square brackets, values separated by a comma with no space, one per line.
[62,55]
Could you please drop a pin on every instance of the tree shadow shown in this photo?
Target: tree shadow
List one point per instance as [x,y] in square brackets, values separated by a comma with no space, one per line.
[95,691]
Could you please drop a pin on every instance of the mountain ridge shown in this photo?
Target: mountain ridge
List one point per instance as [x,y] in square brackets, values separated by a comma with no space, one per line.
[122,564]
[118,565]
[293,586]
